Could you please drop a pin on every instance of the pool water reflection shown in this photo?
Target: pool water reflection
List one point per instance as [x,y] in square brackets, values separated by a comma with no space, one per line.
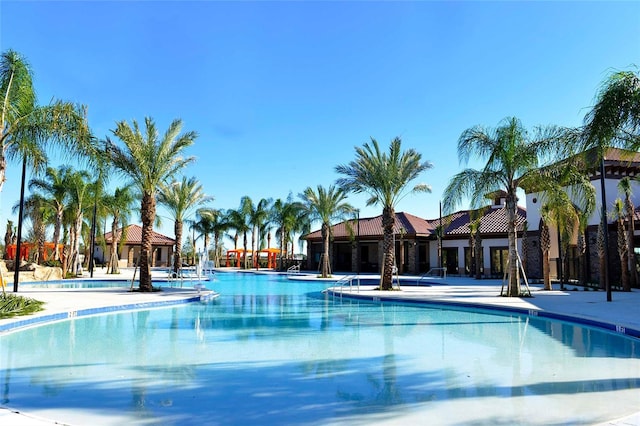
[272,351]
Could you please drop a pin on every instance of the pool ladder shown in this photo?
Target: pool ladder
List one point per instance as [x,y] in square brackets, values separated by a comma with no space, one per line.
[348,279]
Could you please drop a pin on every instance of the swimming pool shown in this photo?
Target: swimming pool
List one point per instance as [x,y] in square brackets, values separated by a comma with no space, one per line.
[273,351]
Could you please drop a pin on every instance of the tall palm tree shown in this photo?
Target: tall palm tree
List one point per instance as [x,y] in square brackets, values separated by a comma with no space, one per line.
[149,160]
[512,161]
[326,205]
[181,198]
[53,186]
[385,177]
[25,126]
[614,121]
[119,206]
[624,186]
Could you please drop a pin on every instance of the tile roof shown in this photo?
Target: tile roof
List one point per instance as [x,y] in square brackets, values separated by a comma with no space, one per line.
[493,221]
[134,236]
[372,226]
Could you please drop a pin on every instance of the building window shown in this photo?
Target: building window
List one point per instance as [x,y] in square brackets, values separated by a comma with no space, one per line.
[499,261]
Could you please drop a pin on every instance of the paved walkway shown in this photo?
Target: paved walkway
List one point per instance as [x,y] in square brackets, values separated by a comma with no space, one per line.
[622,314]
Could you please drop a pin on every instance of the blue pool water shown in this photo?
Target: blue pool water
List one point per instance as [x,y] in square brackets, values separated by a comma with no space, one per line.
[272,351]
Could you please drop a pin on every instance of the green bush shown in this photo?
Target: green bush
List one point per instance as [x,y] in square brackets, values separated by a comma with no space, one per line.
[12,305]
[52,263]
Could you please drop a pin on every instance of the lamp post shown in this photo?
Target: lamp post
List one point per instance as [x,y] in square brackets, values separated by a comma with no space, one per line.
[358,244]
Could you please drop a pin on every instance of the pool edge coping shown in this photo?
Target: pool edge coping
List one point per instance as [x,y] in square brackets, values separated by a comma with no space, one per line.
[624,330]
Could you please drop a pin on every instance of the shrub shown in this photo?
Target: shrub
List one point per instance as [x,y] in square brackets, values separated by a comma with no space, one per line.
[13,305]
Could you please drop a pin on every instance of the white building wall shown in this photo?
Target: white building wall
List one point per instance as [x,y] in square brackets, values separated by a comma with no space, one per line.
[612,193]
[461,244]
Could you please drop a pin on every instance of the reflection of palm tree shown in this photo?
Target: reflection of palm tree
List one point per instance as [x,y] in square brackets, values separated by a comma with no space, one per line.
[385,177]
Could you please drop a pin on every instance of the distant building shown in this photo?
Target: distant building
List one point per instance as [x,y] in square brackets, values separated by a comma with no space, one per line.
[129,249]
[617,164]
[416,243]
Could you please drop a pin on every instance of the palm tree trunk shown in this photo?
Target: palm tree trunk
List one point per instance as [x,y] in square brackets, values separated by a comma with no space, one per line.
[148,216]
[3,160]
[325,250]
[115,240]
[216,257]
[622,252]
[388,216]
[244,246]
[56,234]
[177,262]
[41,241]
[602,255]
[479,260]
[631,253]
[514,273]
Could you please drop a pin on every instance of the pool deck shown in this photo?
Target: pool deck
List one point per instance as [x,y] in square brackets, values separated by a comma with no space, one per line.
[621,315]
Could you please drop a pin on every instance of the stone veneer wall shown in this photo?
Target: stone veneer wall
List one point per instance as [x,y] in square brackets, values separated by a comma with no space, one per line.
[534,256]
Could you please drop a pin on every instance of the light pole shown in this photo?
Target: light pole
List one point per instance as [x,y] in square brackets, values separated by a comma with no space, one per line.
[358,245]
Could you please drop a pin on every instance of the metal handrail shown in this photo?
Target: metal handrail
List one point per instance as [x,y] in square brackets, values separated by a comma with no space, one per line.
[295,269]
[428,274]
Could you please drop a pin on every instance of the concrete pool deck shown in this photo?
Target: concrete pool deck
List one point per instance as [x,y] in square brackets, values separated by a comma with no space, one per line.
[621,315]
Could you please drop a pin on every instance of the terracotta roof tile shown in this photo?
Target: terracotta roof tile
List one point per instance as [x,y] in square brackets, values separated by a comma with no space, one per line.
[134,236]
[494,221]
[372,226]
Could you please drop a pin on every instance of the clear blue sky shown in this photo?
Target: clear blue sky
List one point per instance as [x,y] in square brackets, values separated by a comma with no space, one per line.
[281,92]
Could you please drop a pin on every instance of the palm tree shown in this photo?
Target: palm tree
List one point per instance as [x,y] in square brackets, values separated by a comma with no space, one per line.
[624,186]
[618,214]
[25,126]
[326,206]
[203,225]
[614,121]
[385,177]
[181,198]
[288,217]
[237,221]
[53,186]
[512,162]
[257,215]
[118,205]
[149,160]
[79,192]
[568,196]
[219,224]
[37,210]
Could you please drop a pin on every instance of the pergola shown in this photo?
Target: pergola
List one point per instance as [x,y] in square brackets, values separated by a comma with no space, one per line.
[25,248]
[237,254]
[272,255]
